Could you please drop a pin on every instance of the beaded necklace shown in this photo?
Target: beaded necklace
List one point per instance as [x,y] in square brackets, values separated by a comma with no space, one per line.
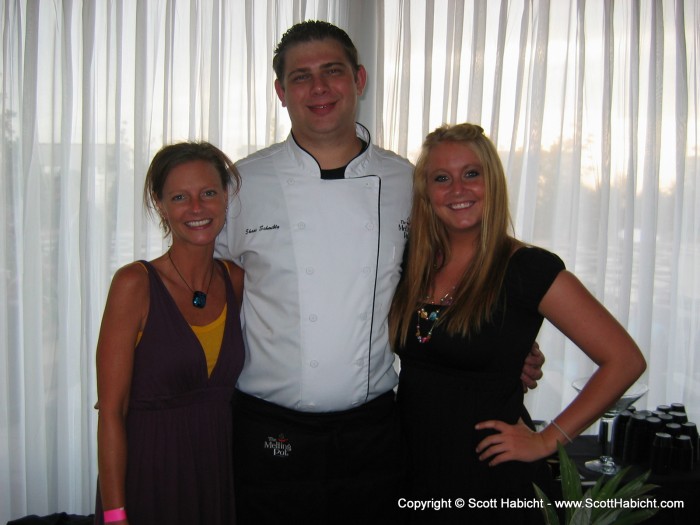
[431,317]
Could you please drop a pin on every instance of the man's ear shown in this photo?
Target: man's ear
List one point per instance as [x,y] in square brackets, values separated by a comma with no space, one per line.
[279,89]
[361,79]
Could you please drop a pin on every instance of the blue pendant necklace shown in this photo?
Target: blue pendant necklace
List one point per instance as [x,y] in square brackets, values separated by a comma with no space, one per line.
[199,298]
[433,316]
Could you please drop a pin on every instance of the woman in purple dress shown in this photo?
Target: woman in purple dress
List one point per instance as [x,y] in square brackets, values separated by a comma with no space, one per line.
[169,354]
[471,301]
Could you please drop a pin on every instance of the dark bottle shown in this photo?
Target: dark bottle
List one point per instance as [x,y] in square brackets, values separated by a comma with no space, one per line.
[682,456]
[635,436]
[665,418]
[652,427]
[678,407]
[618,433]
[678,417]
[661,450]
[690,429]
[673,428]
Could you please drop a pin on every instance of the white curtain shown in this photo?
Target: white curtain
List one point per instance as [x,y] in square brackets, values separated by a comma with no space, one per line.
[593,105]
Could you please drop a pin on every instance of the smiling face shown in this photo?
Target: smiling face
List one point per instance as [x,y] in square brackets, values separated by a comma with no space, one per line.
[455,187]
[194,202]
[320,90]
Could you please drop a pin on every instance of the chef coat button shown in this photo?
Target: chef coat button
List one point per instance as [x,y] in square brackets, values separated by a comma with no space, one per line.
[369,226]
[309,270]
[313,318]
[366,270]
[290,181]
[360,363]
[363,316]
[313,364]
[301,225]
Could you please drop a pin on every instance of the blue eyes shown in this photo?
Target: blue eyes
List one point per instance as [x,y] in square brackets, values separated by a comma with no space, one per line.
[206,194]
[466,175]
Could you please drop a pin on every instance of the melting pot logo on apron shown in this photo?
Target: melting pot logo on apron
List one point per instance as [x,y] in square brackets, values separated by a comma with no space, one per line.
[279,446]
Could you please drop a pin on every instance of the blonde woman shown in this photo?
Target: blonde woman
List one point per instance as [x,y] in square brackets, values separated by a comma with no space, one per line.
[464,317]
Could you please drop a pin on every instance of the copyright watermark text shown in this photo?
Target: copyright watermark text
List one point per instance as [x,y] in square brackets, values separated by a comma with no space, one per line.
[437,504]
[471,503]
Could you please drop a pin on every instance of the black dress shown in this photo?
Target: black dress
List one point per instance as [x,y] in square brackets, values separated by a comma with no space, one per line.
[449,384]
[179,463]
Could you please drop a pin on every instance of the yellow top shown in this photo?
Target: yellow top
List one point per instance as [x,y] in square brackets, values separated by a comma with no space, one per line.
[210,337]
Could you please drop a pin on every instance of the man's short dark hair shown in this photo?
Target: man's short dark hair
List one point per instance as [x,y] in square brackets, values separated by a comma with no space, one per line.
[306,32]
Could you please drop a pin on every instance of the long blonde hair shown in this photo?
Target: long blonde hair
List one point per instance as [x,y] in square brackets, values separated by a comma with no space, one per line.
[476,295]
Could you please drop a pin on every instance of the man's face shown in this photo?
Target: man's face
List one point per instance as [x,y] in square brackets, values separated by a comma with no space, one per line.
[320,90]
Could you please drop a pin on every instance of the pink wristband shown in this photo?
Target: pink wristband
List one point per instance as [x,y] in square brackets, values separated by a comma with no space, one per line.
[113,515]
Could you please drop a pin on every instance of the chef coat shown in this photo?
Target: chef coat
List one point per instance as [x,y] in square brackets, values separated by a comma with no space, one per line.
[322,260]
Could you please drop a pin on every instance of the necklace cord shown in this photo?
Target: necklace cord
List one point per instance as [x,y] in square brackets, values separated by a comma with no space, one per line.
[199,298]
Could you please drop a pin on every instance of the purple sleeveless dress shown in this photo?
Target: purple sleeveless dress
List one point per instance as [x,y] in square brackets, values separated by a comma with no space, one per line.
[179,465]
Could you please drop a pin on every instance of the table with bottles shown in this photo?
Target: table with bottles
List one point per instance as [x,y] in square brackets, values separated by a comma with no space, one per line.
[662,441]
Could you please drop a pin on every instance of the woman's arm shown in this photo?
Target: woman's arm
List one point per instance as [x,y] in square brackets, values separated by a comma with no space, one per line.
[578,315]
[124,316]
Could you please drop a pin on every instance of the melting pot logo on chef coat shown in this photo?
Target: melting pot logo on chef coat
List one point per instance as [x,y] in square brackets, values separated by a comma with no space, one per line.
[262,228]
[405,226]
[279,447]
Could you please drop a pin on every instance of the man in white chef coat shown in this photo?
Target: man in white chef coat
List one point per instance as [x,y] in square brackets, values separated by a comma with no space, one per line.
[319,227]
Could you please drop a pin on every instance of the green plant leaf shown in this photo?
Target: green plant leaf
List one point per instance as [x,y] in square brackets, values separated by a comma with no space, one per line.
[599,484]
[607,517]
[609,484]
[570,480]
[637,516]
[636,487]
[550,513]
[580,516]
[606,488]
